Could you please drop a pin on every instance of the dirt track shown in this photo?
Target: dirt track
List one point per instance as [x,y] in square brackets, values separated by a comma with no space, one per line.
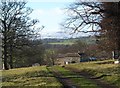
[96,80]
[65,81]
[68,83]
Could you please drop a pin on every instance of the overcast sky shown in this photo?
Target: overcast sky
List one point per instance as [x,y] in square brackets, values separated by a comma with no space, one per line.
[50,14]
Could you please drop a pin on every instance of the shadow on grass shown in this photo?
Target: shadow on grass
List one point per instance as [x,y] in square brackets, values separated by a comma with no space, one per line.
[27,75]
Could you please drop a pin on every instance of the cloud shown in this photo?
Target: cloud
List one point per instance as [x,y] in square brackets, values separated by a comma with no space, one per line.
[54,12]
[50,18]
[57,11]
[37,12]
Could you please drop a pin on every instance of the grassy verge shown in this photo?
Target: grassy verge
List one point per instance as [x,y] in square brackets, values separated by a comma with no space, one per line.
[31,76]
[77,80]
[106,70]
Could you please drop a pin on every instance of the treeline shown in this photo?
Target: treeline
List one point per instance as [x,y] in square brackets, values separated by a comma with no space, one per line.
[52,51]
[29,55]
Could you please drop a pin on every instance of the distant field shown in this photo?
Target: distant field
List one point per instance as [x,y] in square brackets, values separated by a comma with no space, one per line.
[64,42]
[70,41]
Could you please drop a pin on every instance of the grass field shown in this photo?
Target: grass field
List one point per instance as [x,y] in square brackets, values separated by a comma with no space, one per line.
[76,79]
[65,42]
[70,41]
[40,76]
[87,40]
[31,76]
[105,70]
[61,43]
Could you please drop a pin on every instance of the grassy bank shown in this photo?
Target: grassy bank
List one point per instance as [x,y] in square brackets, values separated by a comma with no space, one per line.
[76,79]
[41,76]
[31,76]
[104,70]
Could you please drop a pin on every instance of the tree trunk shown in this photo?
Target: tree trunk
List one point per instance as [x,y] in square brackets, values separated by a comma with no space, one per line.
[11,58]
[53,63]
[5,53]
[11,53]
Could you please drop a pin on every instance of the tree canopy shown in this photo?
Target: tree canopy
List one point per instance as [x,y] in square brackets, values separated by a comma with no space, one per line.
[16,27]
[101,18]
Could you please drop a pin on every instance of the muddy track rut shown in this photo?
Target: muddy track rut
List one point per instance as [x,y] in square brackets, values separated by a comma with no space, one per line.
[65,81]
[96,80]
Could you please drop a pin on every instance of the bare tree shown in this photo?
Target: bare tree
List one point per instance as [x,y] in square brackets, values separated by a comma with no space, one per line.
[98,17]
[15,24]
[83,16]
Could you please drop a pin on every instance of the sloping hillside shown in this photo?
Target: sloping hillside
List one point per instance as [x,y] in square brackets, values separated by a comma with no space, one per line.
[29,76]
[84,75]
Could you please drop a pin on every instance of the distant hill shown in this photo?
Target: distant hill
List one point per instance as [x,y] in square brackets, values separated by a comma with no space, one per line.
[69,41]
